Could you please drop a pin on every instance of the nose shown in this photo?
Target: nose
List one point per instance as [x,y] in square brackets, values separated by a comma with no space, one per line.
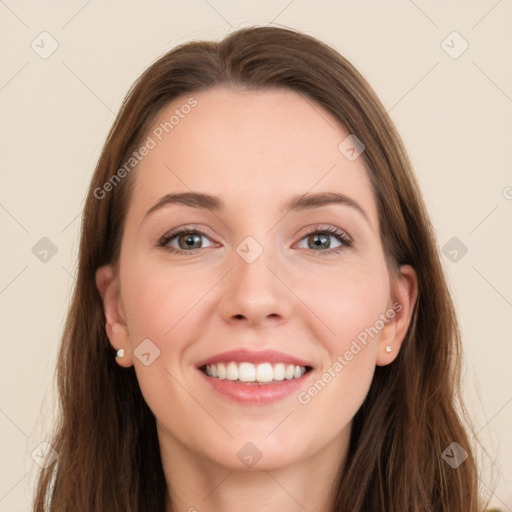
[255,293]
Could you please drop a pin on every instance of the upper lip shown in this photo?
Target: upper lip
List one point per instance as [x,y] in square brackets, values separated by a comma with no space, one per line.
[255,357]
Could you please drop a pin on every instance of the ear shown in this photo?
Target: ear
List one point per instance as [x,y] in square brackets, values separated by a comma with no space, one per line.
[405,294]
[108,286]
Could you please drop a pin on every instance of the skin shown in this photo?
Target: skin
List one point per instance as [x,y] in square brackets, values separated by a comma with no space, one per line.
[254,149]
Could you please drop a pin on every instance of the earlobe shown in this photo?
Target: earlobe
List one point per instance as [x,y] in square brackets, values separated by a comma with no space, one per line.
[405,294]
[115,326]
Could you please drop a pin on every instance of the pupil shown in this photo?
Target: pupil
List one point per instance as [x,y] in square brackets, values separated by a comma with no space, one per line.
[189,240]
[324,240]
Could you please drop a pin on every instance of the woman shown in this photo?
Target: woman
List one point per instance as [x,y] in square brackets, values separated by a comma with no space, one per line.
[260,319]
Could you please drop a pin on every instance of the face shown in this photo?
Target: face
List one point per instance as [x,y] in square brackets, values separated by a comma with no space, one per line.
[305,286]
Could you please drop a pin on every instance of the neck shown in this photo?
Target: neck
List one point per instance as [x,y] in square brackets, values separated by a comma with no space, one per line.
[196,483]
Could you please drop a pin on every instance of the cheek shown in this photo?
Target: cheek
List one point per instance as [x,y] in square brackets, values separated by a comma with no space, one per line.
[347,302]
[159,307]
[158,300]
[335,396]
[351,308]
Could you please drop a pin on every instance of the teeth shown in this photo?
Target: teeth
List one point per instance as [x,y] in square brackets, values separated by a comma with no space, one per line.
[231,371]
[248,372]
[221,371]
[265,372]
[279,371]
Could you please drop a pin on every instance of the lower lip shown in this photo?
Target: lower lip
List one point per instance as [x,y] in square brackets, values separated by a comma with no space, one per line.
[256,393]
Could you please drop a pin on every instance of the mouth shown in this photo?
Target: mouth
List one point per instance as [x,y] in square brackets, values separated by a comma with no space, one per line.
[254,374]
[255,377]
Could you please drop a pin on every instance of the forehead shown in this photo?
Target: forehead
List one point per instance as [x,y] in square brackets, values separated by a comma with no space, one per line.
[254,149]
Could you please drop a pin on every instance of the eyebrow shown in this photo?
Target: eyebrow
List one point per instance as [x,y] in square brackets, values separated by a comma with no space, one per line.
[301,202]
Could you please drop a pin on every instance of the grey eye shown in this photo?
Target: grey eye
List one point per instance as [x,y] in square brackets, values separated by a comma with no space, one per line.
[319,241]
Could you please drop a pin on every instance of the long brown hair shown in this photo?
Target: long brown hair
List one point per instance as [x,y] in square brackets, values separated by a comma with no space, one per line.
[106,439]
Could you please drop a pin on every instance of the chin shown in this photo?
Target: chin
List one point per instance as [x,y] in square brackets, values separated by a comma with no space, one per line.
[258,454]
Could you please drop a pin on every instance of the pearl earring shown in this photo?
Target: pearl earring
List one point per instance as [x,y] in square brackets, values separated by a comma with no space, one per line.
[120,353]
[388,348]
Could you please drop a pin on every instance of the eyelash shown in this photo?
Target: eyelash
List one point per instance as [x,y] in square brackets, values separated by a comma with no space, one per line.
[339,235]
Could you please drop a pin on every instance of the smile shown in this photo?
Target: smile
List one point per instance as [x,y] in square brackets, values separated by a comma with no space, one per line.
[263,373]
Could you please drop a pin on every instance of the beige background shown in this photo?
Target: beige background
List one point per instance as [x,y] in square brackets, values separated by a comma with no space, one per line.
[454,114]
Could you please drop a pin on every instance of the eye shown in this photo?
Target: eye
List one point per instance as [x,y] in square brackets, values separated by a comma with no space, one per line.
[318,238]
[186,238]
